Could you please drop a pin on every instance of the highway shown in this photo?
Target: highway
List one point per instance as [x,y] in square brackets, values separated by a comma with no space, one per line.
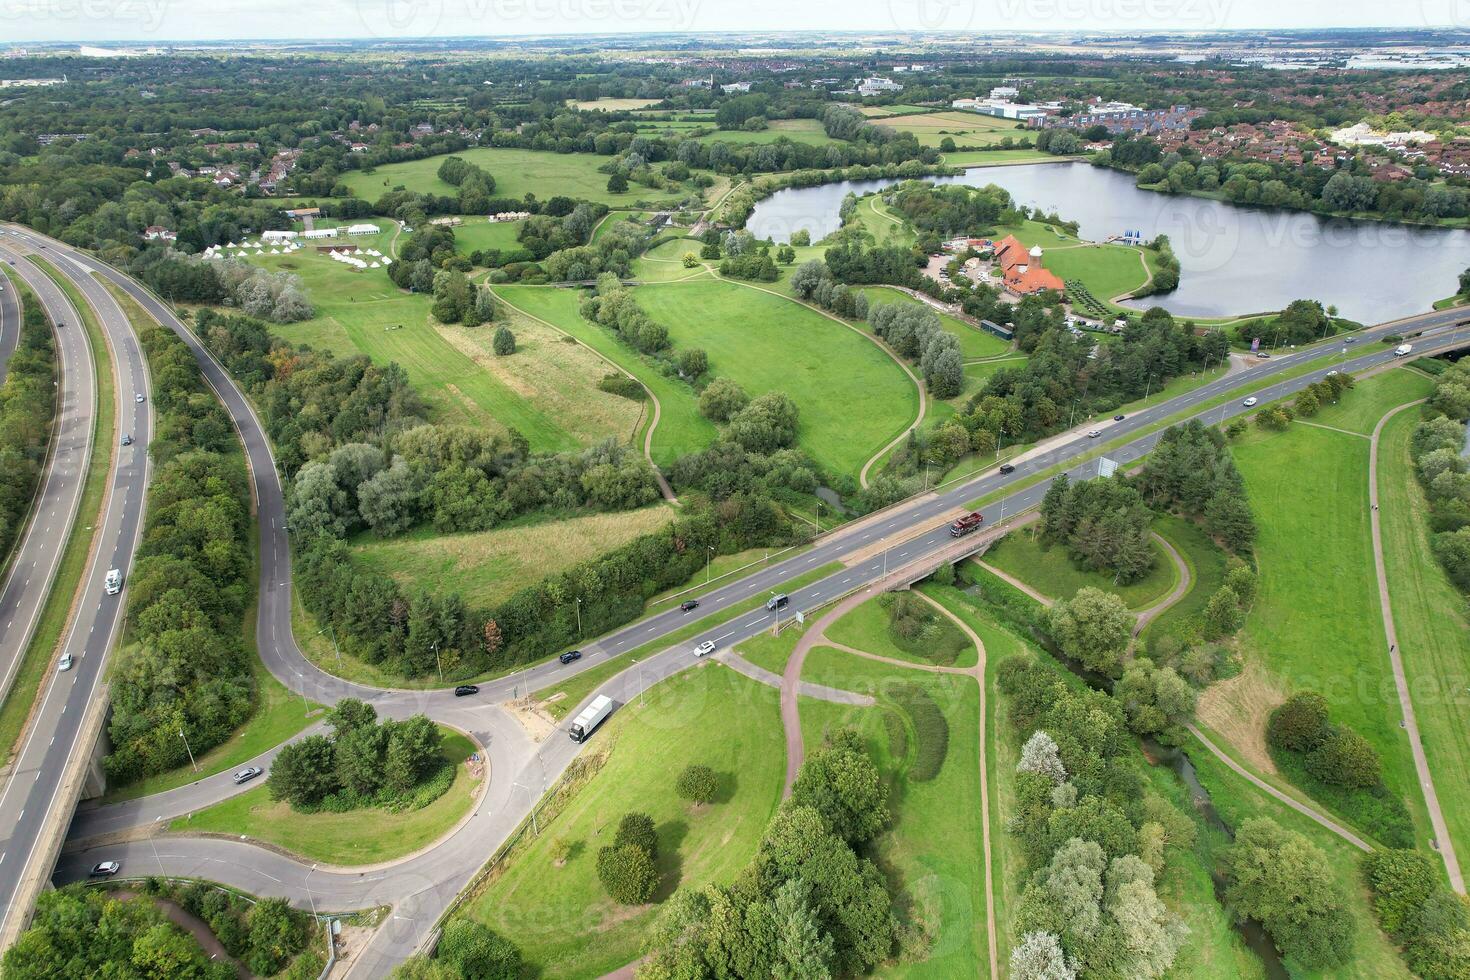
[421,886]
[29,798]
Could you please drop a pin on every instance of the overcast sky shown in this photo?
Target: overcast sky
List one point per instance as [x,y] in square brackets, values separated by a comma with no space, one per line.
[158,20]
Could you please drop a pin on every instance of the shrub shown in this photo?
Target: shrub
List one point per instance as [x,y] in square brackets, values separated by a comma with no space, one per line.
[478,952]
[1298,724]
[277,933]
[627,872]
[637,829]
[697,784]
[622,385]
[1344,758]
[504,342]
[931,730]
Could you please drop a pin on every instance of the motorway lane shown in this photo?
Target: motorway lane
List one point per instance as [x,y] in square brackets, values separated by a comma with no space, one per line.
[38,553]
[30,796]
[10,321]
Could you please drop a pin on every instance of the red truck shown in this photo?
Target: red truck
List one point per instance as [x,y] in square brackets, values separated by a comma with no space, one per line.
[970,522]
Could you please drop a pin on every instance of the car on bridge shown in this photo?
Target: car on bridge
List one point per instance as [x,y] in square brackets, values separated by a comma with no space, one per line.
[777,602]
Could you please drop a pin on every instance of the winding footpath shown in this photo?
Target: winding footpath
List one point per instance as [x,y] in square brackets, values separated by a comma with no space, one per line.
[1442,841]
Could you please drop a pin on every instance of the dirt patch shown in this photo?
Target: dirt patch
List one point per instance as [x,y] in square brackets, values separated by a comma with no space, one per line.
[533,718]
[1237,708]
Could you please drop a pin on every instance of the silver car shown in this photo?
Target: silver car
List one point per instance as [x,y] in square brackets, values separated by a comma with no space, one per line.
[246,774]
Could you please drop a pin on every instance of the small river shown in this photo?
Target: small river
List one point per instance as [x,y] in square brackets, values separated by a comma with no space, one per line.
[1233,259]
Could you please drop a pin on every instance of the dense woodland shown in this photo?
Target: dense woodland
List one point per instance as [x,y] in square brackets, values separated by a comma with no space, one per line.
[27,404]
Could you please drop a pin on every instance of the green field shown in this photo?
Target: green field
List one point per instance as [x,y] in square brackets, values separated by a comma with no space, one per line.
[865,627]
[852,397]
[886,227]
[965,128]
[1430,619]
[516,172]
[974,342]
[665,262]
[796,130]
[546,390]
[489,565]
[1107,270]
[1206,563]
[1316,623]
[681,429]
[933,844]
[560,917]
[338,838]
[1048,570]
[995,158]
[477,234]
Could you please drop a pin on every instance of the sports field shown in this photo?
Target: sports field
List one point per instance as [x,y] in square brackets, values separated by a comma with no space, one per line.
[853,398]
[516,172]
[1107,270]
[559,914]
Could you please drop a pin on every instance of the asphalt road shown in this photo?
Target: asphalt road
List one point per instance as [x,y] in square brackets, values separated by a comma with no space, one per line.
[421,886]
[28,800]
[38,552]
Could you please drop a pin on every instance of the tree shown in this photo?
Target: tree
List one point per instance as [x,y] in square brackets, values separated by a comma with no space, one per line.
[478,952]
[842,784]
[1345,758]
[637,829]
[1040,755]
[693,362]
[803,950]
[697,783]
[504,342]
[722,399]
[628,873]
[1039,956]
[617,184]
[1298,724]
[1094,628]
[1222,614]
[765,425]
[1283,880]
[304,772]
[389,502]
[277,933]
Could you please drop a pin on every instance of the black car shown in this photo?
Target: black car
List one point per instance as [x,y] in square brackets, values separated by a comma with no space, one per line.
[689,605]
[1006,468]
[571,656]
[465,690]
[1117,418]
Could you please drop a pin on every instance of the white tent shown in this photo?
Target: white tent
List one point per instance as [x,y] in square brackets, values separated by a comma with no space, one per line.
[275,251]
[387,261]
[374,266]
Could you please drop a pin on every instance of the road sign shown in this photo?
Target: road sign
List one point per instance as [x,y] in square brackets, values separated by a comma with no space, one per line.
[800,617]
[1106,467]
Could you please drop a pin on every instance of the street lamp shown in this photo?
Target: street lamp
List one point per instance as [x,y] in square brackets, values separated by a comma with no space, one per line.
[709,552]
[438,663]
[579,616]
[151,843]
[335,648]
[188,750]
[309,896]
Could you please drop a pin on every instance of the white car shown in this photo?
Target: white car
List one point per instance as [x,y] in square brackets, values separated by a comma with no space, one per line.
[104,869]
[1094,433]
[138,398]
[705,649]
[1250,402]
[65,662]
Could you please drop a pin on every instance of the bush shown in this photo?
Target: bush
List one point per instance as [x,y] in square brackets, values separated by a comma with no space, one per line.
[628,873]
[1344,758]
[697,784]
[1282,879]
[504,342]
[277,933]
[478,952]
[1299,724]
[931,730]
[622,385]
[637,829]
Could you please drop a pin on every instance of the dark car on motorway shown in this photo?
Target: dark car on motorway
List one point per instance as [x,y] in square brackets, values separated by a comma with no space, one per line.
[689,605]
[1117,418]
[570,657]
[465,690]
[1007,468]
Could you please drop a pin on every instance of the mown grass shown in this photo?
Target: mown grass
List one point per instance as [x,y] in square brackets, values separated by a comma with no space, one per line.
[490,565]
[517,173]
[994,158]
[1206,563]
[681,428]
[341,838]
[477,234]
[866,627]
[853,399]
[1107,270]
[36,661]
[965,128]
[1430,619]
[1048,570]
[560,916]
[796,130]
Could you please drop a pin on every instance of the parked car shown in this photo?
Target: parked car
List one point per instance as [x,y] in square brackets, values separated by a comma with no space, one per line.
[465,690]
[127,439]
[1007,468]
[104,869]
[246,774]
[1250,402]
[705,649]
[65,662]
[570,657]
[689,605]
[1094,433]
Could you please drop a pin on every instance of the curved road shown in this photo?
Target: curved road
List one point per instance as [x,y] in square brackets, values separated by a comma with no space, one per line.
[421,887]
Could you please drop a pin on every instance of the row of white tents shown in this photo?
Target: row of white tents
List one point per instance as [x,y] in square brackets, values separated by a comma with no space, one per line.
[375,260]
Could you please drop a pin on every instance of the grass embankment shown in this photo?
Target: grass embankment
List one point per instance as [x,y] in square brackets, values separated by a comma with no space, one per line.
[516,172]
[340,838]
[1048,570]
[866,627]
[853,399]
[490,565]
[56,613]
[681,429]
[547,389]
[560,915]
[1206,563]
[1316,623]
[1430,619]
[577,687]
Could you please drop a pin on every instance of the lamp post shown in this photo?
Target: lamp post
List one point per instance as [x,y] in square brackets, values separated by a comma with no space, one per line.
[154,845]
[335,649]
[188,750]
[579,616]
[709,553]
[438,663]
[309,896]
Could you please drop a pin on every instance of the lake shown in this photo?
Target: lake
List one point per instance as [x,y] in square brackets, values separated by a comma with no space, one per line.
[1232,259]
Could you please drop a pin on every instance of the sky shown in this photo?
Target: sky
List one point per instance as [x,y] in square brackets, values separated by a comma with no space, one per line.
[166,20]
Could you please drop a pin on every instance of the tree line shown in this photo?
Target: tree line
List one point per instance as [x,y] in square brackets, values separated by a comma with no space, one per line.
[27,406]
[186,675]
[1436,449]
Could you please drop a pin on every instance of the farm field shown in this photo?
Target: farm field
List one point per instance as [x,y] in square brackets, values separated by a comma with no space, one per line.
[681,428]
[613,105]
[516,172]
[852,397]
[965,128]
[489,565]
[974,342]
[560,916]
[1048,570]
[1316,624]
[550,397]
[1429,618]
[934,840]
[337,838]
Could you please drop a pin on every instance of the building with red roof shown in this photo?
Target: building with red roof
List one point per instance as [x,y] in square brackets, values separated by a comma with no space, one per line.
[1021,270]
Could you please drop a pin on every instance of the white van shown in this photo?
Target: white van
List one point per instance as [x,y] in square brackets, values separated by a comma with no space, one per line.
[1402,349]
[113,583]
